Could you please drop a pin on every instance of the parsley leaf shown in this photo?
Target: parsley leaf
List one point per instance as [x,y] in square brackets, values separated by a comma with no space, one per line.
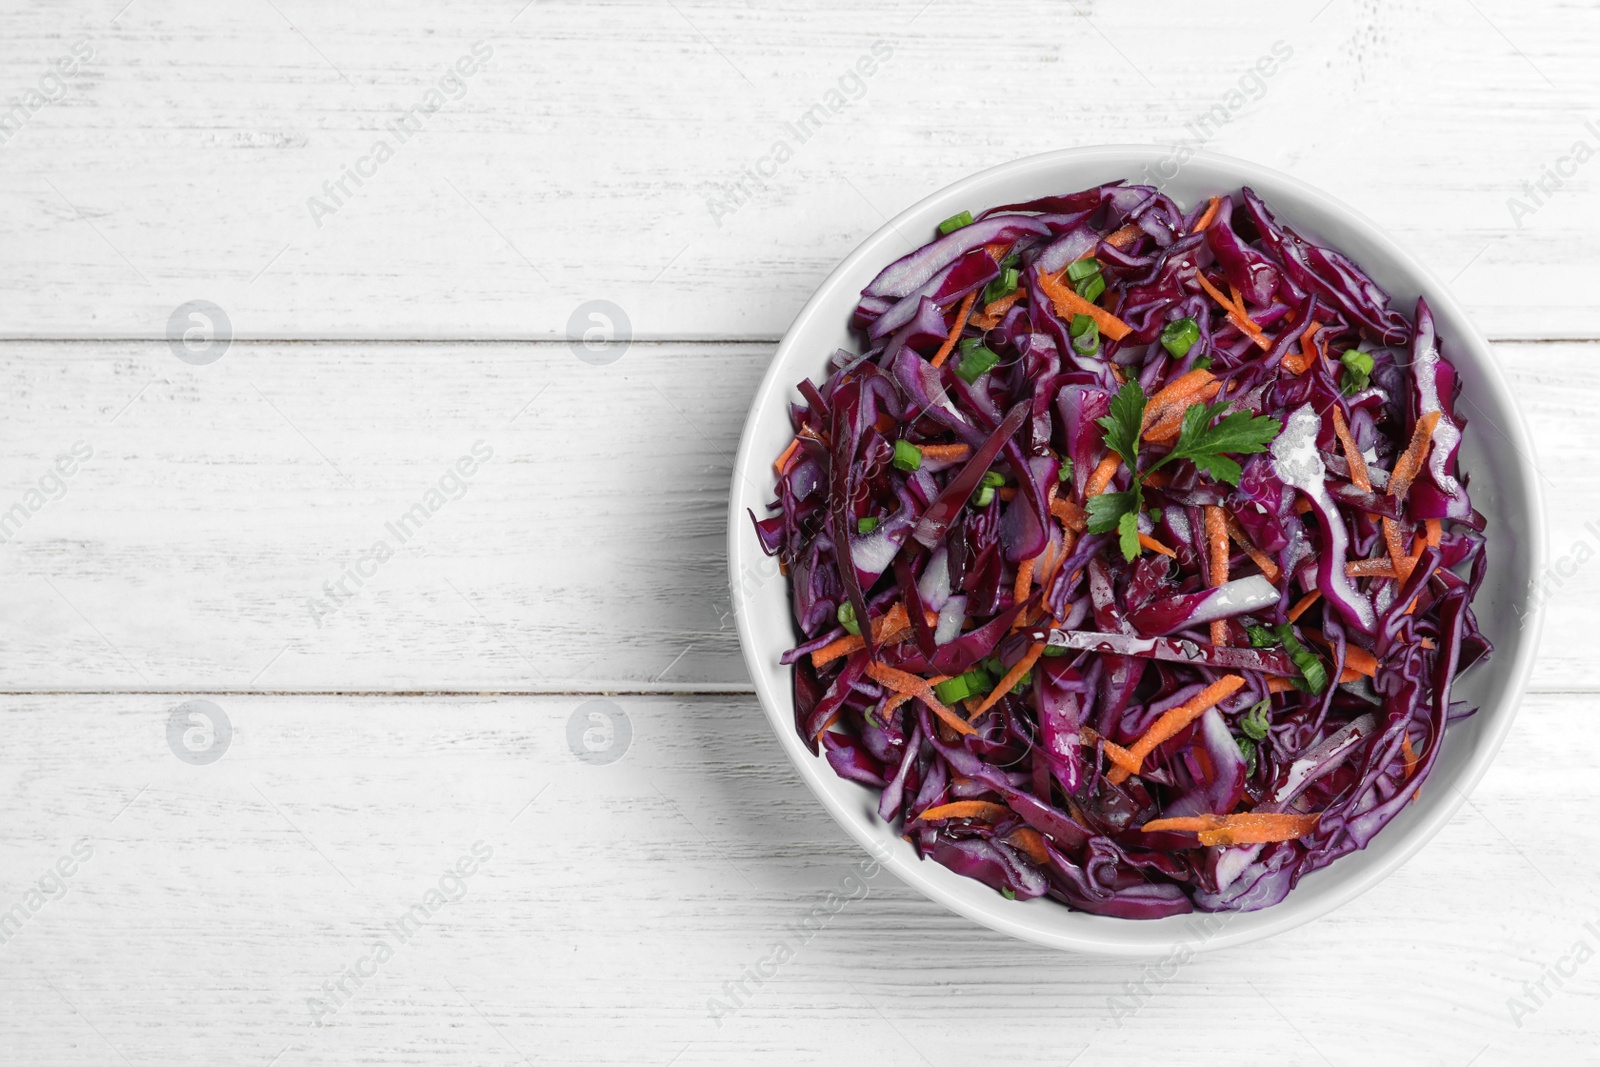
[1203,444]
[1107,509]
[1123,424]
[1128,529]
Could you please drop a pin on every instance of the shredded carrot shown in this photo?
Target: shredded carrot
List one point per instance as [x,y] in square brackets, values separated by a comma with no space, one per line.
[1119,756]
[1102,475]
[1409,465]
[1279,684]
[1356,658]
[1216,529]
[943,453]
[1156,546]
[997,250]
[1029,841]
[1352,454]
[1003,305]
[1299,362]
[1397,550]
[1175,719]
[1433,536]
[1013,676]
[783,460]
[1304,604]
[1210,215]
[1301,506]
[1069,303]
[1269,569]
[1125,236]
[1381,567]
[894,702]
[966,809]
[1070,514]
[955,331]
[1412,759]
[1008,493]
[1024,580]
[1244,828]
[1235,312]
[1176,395]
[890,621]
[982,321]
[1166,427]
[902,682]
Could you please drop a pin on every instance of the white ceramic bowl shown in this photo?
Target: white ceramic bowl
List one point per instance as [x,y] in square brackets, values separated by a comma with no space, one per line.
[1504,486]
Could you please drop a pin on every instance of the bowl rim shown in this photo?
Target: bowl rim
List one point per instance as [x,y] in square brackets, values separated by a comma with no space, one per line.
[1131,159]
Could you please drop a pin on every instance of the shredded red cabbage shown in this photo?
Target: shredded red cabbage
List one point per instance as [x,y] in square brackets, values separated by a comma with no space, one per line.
[1161,450]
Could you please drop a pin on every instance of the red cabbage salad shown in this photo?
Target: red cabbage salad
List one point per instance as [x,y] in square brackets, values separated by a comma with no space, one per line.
[1130,558]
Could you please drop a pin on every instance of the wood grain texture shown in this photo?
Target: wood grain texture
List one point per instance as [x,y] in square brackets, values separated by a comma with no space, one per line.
[597,153]
[618,903]
[587,554]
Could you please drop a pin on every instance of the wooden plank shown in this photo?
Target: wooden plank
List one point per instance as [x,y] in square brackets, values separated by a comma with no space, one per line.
[586,554]
[180,159]
[620,900]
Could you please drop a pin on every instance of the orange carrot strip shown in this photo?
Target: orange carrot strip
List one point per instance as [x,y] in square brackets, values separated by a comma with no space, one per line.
[902,682]
[1301,506]
[1013,676]
[1069,303]
[1370,568]
[1356,658]
[1210,215]
[1071,515]
[1412,759]
[1003,305]
[1216,530]
[1245,828]
[955,331]
[1102,475]
[966,809]
[894,702]
[1176,394]
[1304,604]
[945,452]
[1352,454]
[1125,236]
[1433,528]
[997,250]
[784,459]
[1397,550]
[1166,427]
[1277,684]
[1299,362]
[892,620]
[1175,719]
[1024,582]
[1118,755]
[1156,546]
[1027,840]
[1236,313]
[1269,569]
[1409,465]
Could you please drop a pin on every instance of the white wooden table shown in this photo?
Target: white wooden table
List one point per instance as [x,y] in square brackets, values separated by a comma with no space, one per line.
[228,912]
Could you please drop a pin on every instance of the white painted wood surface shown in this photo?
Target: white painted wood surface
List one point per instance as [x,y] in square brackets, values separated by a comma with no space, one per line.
[186,556]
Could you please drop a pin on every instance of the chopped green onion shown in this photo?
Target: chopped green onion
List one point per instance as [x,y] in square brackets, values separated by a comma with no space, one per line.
[1247,749]
[952,690]
[993,479]
[1085,335]
[1178,337]
[1155,514]
[983,497]
[1065,473]
[993,665]
[1007,892]
[1001,286]
[1357,371]
[955,222]
[1313,674]
[1023,682]
[847,618]
[1083,268]
[1202,363]
[866,524]
[979,360]
[1091,287]
[907,456]
[1056,650]
[1257,720]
